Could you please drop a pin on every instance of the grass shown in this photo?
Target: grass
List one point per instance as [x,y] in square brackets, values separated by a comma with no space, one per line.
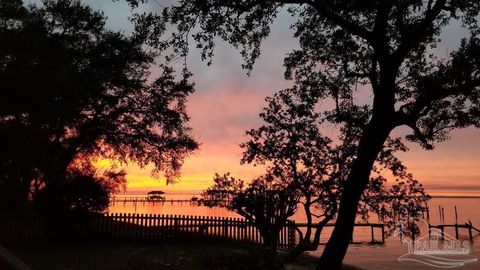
[166,256]
[307,262]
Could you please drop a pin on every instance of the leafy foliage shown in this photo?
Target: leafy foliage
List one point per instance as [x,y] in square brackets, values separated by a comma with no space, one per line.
[84,191]
[305,168]
[265,201]
[72,88]
[386,47]
[383,44]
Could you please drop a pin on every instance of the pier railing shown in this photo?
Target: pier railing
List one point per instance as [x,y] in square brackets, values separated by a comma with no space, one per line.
[376,232]
[468,226]
[143,200]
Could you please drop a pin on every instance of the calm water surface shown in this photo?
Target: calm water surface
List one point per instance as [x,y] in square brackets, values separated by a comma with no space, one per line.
[363,255]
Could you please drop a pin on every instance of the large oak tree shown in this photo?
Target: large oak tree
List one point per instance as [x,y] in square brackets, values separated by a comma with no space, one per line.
[72,89]
[307,171]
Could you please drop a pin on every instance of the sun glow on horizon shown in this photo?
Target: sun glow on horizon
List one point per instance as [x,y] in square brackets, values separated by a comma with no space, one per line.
[195,174]
[451,169]
[196,177]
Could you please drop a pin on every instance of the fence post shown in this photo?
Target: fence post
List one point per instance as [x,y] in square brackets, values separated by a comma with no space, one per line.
[128,225]
[116,225]
[237,229]
[245,230]
[182,227]
[101,226]
[136,221]
[175,226]
[291,236]
[121,225]
[225,228]
[155,226]
[163,232]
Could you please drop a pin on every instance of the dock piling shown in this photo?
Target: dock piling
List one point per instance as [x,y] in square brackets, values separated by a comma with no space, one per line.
[470,230]
[373,235]
[456,215]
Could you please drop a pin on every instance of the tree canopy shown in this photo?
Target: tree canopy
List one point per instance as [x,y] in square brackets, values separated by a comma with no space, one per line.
[73,89]
[384,46]
[306,171]
[265,202]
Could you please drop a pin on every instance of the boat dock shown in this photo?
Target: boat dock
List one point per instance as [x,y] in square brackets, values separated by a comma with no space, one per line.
[143,200]
[456,226]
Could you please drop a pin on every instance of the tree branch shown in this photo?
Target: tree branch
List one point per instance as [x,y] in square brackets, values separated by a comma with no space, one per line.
[244,6]
[411,39]
[342,22]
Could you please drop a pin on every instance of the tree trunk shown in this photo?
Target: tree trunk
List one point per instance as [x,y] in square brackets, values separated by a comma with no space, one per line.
[303,245]
[370,145]
[306,244]
[269,238]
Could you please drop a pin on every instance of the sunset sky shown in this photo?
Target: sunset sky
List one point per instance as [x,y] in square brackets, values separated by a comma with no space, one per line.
[227,102]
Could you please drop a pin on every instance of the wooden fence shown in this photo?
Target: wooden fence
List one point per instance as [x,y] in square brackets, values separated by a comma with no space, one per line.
[136,226]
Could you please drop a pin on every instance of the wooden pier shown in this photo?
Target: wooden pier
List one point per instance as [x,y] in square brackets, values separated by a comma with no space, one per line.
[372,226]
[442,226]
[143,200]
[468,226]
[425,213]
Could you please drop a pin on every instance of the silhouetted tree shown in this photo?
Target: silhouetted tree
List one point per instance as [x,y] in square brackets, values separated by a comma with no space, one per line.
[265,201]
[291,146]
[85,191]
[383,45]
[72,88]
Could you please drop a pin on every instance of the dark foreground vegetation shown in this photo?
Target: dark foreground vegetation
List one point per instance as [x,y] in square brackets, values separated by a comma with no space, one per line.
[165,256]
